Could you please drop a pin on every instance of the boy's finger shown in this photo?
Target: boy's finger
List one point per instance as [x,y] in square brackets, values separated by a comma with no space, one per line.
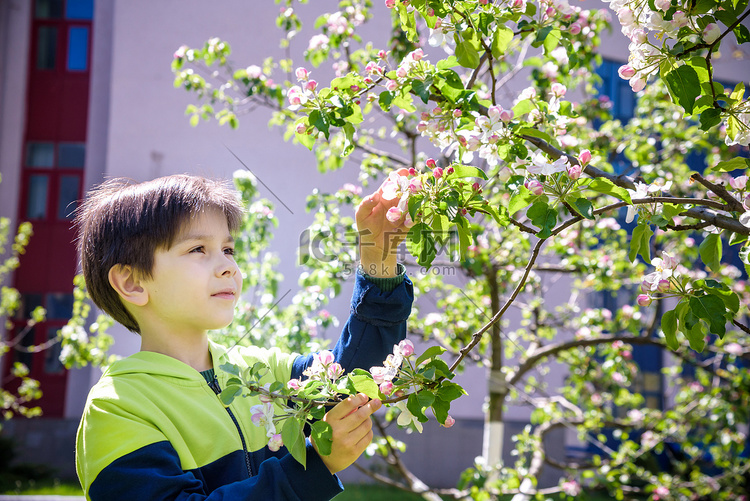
[348,406]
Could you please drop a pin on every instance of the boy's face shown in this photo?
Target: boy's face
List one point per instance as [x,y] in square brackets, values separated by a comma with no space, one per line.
[195,284]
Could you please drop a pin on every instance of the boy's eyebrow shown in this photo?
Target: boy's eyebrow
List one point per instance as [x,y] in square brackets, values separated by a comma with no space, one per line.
[201,236]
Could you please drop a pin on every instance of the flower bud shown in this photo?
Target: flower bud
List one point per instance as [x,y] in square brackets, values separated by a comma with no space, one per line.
[335,371]
[534,186]
[738,183]
[386,388]
[417,54]
[301,128]
[401,72]
[506,115]
[643,300]
[746,202]
[574,171]
[574,29]
[311,85]
[457,113]
[663,285]
[626,72]
[449,171]
[437,110]
[558,89]
[394,214]
[430,163]
[637,84]
[663,5]
[476,188]
[390,3]
[301,73]
[584,157]
[437,172]
[391,85]
[449,421]
[406,347]
[412,171]
[382,54]
[325,358]
[293,384]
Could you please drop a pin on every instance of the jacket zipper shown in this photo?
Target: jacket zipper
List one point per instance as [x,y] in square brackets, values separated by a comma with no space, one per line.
[214,385]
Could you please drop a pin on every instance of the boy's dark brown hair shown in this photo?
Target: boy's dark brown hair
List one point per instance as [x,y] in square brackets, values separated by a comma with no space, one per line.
[124,222]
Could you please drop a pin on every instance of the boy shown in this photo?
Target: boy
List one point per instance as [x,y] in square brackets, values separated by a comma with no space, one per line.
[158,257]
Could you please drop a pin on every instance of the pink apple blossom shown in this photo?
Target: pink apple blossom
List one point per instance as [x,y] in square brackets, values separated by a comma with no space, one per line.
[571,488]
[575,28]
[293,384]
[663,5]
[254,71]
[637,84]
[660,492]
[734,349]
[275,442]
[449,421]
[643,300]
[738,183]
[506,116]
[390,3]
[391,85]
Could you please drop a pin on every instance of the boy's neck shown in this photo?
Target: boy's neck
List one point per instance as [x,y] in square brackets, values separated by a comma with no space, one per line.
[192,351]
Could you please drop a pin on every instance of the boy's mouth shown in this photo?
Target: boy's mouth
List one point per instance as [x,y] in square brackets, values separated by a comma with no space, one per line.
[225,294]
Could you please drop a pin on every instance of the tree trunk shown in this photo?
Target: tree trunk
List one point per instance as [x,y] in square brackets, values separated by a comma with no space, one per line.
[494,428]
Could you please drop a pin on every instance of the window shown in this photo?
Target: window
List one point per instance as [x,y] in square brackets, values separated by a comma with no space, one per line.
[52,364]
[36,207]
[48,9]
[40,154]
[617,90]
[78,48]
[71,155]
[67,201]
[46,49]
[59,306]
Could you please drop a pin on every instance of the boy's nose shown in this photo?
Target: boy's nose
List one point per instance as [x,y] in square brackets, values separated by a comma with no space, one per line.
[227,268]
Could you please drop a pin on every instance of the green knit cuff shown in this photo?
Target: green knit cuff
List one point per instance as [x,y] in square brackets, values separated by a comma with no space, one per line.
[386,284]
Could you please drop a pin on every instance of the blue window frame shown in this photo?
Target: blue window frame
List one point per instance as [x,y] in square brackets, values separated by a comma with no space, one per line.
[79,9]
[78,48]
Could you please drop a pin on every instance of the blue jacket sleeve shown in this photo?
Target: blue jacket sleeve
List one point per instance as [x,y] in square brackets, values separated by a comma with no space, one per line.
[377,321]
[153,472]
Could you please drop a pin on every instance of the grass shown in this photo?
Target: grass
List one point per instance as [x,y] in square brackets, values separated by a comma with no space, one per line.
[47,487]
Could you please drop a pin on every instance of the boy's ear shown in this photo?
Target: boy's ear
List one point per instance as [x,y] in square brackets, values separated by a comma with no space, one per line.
[125,282]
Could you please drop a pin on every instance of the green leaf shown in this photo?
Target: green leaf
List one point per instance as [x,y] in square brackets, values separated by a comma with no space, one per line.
[449,391]
[712,310]
[385,99]
[530,131]
[467,55]
[440,408]
[421,244]
[745,257]
[448,62]
[584,207]
[551,41]
[731,299]
[669,327]
[229,393]
[503,37]
[523,107]
[711,251]
[520,199]
[321,121]
[607,187]
[432,351]
[322,435]
[543,216]
[349,141]
[684,86]
[733,164]
[422,89]
[418,402]
[710,118]
[640,242]
[361,383]
[294,439]
[463,171]
[439,368]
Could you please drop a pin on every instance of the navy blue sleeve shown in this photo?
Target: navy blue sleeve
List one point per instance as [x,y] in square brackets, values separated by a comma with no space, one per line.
[154,473]
[377,321]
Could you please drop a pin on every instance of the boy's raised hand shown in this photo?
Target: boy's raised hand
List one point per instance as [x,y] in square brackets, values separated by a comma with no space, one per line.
[378,237]
[352,431]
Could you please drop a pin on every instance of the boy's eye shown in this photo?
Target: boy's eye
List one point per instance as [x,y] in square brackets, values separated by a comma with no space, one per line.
[229,251]
[197,249]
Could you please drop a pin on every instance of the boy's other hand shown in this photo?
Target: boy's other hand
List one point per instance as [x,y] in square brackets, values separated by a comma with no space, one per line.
[352,431]
[378,237]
